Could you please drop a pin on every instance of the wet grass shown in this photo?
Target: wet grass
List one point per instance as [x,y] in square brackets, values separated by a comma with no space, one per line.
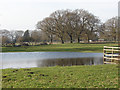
[59,48]
[98,76]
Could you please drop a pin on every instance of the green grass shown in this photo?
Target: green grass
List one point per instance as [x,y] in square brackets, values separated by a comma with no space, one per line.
[96,76]
[59,47]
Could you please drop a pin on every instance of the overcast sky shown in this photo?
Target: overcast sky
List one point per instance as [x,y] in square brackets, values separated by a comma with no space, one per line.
[24,14]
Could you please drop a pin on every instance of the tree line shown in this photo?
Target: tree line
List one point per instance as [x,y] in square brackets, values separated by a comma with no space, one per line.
[66,26]
[80,25]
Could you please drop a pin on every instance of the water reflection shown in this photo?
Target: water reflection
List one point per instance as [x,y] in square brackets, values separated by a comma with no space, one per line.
[69,62]
[40,59]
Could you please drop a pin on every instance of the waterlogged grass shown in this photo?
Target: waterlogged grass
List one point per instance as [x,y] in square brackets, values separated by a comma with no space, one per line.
[99,76]
[59,47]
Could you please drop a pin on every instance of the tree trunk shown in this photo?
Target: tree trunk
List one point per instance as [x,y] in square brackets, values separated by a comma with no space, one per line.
[78,39]
[62,41]
[115,39]
[71,39]
[51,39]
[88,39]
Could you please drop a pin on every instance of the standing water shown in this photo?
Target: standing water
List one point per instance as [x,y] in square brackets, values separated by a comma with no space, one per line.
[40,59]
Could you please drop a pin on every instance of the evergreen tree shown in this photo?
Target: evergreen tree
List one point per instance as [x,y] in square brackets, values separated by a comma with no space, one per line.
[26,37]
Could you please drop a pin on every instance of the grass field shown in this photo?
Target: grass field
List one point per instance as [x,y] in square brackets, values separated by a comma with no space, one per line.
[59,47]
[96,76]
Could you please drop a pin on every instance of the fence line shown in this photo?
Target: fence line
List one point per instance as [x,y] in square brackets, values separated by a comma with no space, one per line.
[111,54]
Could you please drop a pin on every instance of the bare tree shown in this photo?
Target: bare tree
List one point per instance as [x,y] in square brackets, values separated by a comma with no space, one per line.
[18,36]
[47,26]
[92,26]
[81,22]
[53,25]
[71,23]
[103,34]
[59,24]
[5,40]
[109,29]
[35,35]
[111,26]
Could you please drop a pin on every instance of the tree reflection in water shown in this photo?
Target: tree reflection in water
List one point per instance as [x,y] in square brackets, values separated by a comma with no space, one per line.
[69,62]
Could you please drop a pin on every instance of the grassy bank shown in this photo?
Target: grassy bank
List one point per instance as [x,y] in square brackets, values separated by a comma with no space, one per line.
[59,47]
[99,76]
